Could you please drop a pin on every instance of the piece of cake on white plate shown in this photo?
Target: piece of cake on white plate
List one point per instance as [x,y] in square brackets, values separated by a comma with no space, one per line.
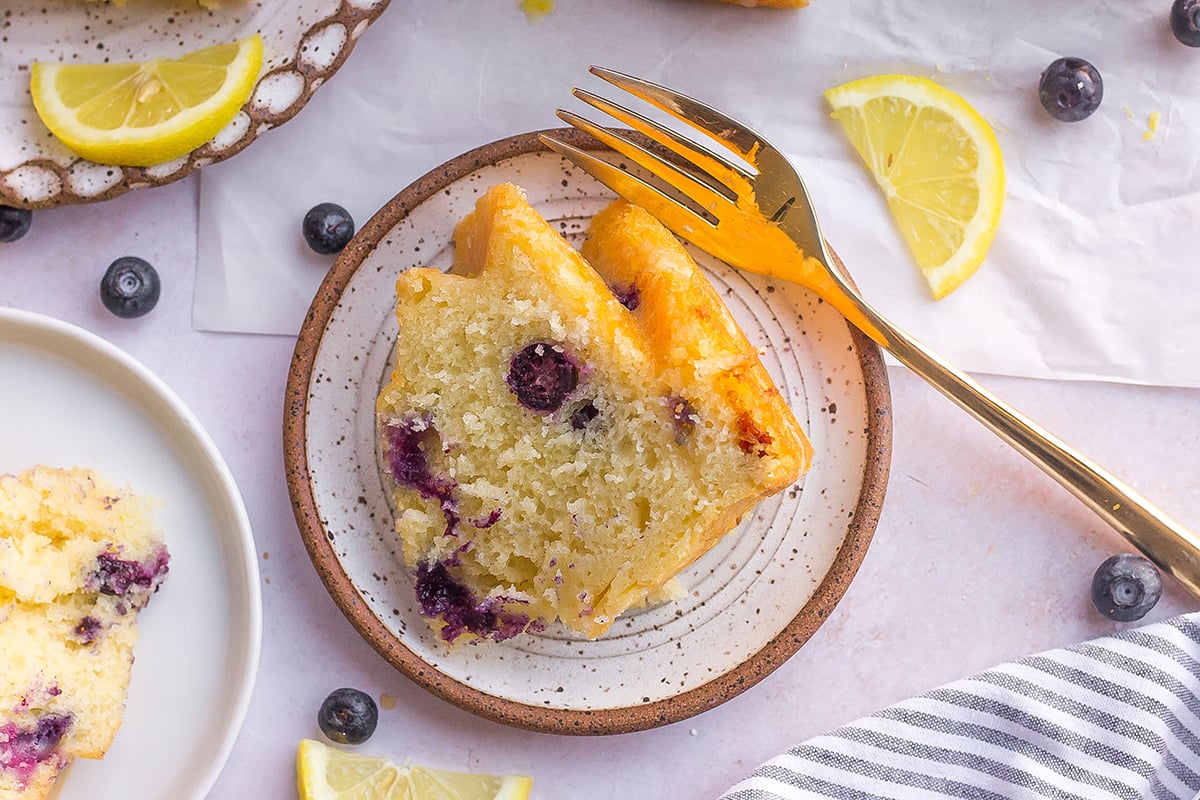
[565,433]
[79,558]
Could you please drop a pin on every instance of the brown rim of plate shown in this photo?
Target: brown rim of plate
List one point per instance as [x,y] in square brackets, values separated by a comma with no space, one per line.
[353,17]
[551,720]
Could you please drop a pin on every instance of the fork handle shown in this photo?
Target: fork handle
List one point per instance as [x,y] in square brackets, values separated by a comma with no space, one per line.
[1168,544]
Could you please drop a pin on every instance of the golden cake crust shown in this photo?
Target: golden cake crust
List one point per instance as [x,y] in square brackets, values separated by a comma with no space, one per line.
[692,335]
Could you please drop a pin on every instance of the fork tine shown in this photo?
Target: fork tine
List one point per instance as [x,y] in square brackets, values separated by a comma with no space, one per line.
[704,118]
[676,216]
[728,175]
[687,184]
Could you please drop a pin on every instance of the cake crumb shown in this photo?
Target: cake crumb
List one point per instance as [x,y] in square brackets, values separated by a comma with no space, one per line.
[536,9]
[387,701]
[1151,125]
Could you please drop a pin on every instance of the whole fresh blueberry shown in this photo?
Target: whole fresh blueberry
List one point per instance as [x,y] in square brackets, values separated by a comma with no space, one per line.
[542,375]
[130,287]
[328,228]
[1125,587]
[1185,22]
[348,716]
[1071,89]
[14,223]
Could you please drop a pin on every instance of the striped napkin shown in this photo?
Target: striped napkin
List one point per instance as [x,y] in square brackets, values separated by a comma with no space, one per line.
[1116,717]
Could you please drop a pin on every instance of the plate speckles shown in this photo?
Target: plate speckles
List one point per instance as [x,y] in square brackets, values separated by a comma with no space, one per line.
[751,602]
[81,400]
[305,42]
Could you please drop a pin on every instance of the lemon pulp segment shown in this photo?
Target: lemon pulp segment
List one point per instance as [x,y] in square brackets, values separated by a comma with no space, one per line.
[938,163]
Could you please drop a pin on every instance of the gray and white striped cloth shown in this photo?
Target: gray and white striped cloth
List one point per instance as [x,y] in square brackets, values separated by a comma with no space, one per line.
[1116,717]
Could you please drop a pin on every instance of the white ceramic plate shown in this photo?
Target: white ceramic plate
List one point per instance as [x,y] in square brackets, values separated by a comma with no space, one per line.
[751,601]
[304,42]
[71,398]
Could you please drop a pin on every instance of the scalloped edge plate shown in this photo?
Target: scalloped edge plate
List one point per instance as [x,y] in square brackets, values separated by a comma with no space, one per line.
[299,56]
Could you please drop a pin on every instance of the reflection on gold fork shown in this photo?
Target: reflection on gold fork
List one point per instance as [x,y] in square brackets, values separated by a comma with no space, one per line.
[757,215]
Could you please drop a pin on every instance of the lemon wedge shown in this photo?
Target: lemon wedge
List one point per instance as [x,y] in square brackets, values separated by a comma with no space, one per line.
[325,773]
[141,114]
[938,163]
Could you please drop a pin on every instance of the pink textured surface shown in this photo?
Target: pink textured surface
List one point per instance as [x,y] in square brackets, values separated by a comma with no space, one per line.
[977,559]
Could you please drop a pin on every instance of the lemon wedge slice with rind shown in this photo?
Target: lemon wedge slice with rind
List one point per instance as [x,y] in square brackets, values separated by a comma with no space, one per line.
[325,773]
[938,163]
[146,113]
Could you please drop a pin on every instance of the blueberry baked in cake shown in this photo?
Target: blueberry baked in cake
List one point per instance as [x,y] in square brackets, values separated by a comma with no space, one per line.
[79,559]
[564,433]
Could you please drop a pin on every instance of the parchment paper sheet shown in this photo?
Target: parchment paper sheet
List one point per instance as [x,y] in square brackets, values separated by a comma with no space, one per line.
[1092,275]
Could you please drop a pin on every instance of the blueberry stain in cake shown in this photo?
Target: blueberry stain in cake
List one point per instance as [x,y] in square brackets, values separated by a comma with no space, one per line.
[542,376]
[36,697]
[23,749]
[443,597]
[583,414]
[485,522]
[685,418]
[87,630]
[628,296]
[137,579]
[407,443]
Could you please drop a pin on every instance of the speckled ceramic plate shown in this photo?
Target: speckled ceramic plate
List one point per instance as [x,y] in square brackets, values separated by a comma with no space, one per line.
[72,399]
[751,602]
[304,41]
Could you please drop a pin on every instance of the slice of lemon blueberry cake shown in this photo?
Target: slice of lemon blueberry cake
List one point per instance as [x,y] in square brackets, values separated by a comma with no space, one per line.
[563,438]
[78,560]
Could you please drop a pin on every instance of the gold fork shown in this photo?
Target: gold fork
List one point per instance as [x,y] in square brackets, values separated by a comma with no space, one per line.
[757,215]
